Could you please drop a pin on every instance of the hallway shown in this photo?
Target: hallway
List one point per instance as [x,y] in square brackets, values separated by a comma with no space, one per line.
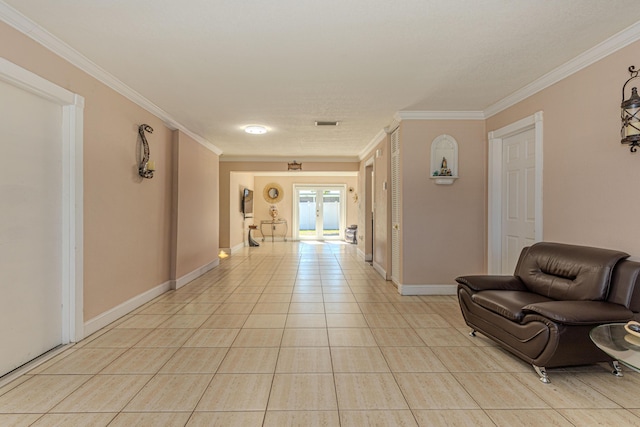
[304,334]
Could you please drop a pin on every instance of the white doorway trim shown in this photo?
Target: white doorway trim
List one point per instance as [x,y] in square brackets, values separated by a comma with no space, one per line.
[369,209]
[72,187]
[295,222]
[494,226]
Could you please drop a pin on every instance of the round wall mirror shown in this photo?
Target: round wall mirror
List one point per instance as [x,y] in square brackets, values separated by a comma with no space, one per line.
[273,193]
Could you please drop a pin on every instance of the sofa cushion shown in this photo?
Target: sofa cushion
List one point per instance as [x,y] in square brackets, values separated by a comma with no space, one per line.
[508,304]
[568,272]
[486,282]
[581,312]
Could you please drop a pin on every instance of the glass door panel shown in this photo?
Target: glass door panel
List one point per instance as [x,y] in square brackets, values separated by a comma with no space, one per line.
[321,212]
[307,212]
[331,214]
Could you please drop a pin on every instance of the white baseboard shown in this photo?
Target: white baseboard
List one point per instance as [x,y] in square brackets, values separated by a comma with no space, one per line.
[178,283]
[427,289]
[377,267]
[237,248]
[360,254]
[126,307]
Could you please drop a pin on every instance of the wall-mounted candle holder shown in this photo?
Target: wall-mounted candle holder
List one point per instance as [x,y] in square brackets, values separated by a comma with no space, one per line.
[146,167]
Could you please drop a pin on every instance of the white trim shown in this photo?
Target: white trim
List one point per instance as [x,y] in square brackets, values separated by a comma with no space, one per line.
[73,181]
[123,309]
[370,146]
[591,56]
[435,289]
[32,364]
[267,159]
[295,209]
[381,271]
[60,48]
[237,248]
[360,254]
[180,282]
[494,206]
[314,174]
[26,80]
[439,115]
[72,189]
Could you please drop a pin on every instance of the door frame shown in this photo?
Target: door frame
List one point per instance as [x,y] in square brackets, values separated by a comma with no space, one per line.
[369,209]
[295,222]
[72,187]
[496,166]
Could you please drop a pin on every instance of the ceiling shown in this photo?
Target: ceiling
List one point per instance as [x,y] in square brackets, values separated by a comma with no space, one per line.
[215,66]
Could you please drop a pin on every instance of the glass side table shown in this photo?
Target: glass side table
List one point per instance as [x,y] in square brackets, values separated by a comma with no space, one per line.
[614,340]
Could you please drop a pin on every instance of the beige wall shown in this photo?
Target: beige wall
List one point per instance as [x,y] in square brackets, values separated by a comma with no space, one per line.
[238,224]
[382,205]
[590,180]
[227,209]
[442,226]
[382,210]
[127,219]
[195,206]
[285,206]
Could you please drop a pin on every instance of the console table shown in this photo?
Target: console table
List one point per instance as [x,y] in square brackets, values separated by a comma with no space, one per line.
[617,343]
[276,226]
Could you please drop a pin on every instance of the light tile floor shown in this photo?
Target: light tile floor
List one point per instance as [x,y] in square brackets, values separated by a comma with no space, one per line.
[309,335]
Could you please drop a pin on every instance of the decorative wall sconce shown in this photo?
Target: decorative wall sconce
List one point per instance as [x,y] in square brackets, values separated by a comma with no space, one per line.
[630,114]
[146,167]
[353,194]
[295,166]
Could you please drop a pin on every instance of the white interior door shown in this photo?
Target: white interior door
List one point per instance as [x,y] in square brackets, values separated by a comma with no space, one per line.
[515,191]
[518,196]
[31,242]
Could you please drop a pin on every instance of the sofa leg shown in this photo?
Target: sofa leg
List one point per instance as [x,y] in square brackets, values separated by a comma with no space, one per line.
[617,369]
[542,373]
[472,333]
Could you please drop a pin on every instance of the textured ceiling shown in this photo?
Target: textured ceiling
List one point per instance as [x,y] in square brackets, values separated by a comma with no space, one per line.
[216,66]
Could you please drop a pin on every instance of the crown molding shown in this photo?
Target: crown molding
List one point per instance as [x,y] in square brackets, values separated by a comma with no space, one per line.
[267,159]
[303,173]
[591,56]
[439,115]
[29,28]
[371,145]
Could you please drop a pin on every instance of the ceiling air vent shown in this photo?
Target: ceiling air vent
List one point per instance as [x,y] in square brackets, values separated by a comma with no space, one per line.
[318,123]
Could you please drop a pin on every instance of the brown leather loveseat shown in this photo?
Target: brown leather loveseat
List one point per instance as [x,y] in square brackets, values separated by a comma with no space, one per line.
[558,293]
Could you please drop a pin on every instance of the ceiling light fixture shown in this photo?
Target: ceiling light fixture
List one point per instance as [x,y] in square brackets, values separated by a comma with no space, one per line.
[255,130]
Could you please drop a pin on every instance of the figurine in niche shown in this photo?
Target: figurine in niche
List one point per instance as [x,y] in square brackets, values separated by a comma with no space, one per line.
[444,170]
[273,211]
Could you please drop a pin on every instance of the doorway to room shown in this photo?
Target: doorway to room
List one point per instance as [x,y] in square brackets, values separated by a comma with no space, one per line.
[41,218]
[515,191]
[319,212]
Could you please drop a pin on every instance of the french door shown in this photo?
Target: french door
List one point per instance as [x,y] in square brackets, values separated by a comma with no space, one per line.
[319,212]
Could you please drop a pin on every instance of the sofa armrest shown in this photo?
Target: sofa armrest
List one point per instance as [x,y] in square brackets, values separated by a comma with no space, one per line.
[485,283]
[580,312]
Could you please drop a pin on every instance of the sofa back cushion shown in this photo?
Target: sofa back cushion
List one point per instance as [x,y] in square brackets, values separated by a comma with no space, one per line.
[568,272]
[625,285]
